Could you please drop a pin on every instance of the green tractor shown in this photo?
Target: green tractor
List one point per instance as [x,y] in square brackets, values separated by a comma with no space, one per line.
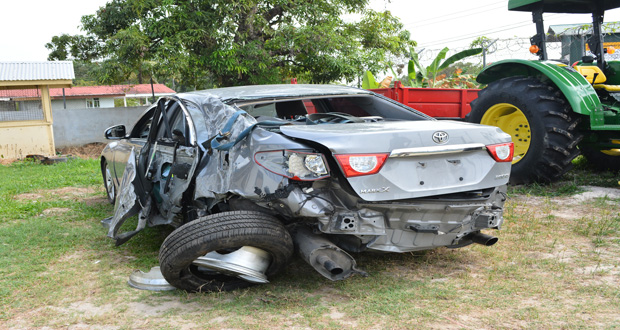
[552,110]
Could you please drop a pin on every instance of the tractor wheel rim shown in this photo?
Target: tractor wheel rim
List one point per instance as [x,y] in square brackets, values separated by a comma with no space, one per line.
[512,121]
[612,152]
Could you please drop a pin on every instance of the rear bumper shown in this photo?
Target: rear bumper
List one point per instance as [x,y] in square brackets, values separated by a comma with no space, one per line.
[438,223]
[418,224]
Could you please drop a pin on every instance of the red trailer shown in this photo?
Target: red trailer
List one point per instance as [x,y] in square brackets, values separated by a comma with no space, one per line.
[441,103]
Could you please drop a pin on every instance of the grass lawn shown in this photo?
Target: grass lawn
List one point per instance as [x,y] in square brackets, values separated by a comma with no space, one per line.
[556,265]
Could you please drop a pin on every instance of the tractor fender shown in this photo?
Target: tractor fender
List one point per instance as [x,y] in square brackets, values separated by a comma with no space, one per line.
[578,91]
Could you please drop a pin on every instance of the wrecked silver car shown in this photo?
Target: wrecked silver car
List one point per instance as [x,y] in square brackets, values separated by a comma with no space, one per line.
[249,174]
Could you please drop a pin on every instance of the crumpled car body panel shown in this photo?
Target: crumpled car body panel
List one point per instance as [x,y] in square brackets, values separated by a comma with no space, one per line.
[258,148]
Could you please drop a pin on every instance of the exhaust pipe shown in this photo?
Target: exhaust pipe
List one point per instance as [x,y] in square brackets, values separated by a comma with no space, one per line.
[484,239]
[330,265]
[324,256]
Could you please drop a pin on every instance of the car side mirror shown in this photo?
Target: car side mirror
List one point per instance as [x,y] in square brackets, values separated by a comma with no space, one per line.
[115,132]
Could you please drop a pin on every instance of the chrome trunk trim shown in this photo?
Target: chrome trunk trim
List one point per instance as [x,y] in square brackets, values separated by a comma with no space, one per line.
[436,150]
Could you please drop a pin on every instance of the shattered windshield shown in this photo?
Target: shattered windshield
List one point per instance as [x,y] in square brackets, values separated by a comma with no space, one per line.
[357,106]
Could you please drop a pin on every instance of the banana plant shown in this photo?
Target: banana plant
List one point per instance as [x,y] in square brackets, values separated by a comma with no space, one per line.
[427,76]
[368,81]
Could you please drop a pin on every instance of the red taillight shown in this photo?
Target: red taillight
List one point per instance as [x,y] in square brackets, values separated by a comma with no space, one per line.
[502,152]
[361,164]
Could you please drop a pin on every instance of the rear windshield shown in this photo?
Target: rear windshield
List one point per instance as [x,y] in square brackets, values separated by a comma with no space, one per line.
[358,106]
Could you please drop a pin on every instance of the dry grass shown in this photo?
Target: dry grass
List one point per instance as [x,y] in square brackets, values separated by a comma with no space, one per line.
[556,266]
[89,151]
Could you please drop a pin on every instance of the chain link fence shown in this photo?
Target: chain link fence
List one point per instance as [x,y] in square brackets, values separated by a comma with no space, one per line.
[569,46]
[20,105]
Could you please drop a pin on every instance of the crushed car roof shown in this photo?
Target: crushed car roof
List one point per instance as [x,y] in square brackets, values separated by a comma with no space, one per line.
[228,94]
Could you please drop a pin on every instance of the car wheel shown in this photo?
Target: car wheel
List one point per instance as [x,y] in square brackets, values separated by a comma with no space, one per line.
[108,181]
[602,160]
[219,252]
[540,121]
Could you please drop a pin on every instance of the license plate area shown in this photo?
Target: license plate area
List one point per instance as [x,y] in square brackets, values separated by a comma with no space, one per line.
[437,171]
[440,171]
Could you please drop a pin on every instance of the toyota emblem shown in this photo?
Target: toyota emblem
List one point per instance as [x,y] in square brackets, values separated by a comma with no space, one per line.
[440,137]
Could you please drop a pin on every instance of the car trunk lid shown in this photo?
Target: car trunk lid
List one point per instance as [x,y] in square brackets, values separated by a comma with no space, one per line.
[426,158]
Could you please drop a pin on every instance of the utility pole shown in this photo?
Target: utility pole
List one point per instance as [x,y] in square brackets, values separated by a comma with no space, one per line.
[152,90]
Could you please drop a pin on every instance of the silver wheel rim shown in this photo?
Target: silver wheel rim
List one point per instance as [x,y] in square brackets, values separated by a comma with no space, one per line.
[108,182]
[247,263]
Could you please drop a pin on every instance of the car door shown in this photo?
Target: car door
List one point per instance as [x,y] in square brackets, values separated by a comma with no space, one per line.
[135,140]
[157,174]
[173,161]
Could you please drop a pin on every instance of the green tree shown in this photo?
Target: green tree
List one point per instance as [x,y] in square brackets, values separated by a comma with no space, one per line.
[84,73]
[202,43]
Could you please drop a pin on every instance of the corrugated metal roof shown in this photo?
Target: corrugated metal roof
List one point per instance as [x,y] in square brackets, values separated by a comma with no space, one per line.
[92,91]
[26,71]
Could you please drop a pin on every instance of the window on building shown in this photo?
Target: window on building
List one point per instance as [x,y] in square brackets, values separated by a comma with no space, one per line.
[93,103]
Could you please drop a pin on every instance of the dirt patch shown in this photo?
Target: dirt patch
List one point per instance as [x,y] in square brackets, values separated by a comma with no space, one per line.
[87,151]
[68,192]
[159,308]
[141,314]
[84,326]
[7,161]
[77,255]
[571,213]
[55,211]
[95,200]
[28,196]
[91,150]
[65,193]
[597,192]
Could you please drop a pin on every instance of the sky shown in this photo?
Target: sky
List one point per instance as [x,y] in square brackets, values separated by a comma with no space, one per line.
[28,25]
[434,24]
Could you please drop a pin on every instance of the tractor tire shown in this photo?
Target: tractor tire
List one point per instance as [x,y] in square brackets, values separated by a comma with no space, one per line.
[226,231]
[603,160]
[540,121]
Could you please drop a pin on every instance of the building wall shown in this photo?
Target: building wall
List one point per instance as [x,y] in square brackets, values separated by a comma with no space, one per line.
[76,127]
[104,102]
[71,104]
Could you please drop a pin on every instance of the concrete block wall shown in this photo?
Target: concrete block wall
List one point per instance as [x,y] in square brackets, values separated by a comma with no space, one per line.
[76,127]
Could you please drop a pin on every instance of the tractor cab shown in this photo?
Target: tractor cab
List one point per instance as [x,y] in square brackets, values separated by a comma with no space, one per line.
[592,67]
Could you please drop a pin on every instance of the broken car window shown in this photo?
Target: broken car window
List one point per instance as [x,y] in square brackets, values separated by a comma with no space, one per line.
[357,106]
[143,126]
[364,106]
[258,110]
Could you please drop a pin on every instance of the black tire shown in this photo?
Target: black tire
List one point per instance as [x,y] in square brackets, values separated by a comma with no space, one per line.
[108,182]
[599,160]
[225,230]
[553,135]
